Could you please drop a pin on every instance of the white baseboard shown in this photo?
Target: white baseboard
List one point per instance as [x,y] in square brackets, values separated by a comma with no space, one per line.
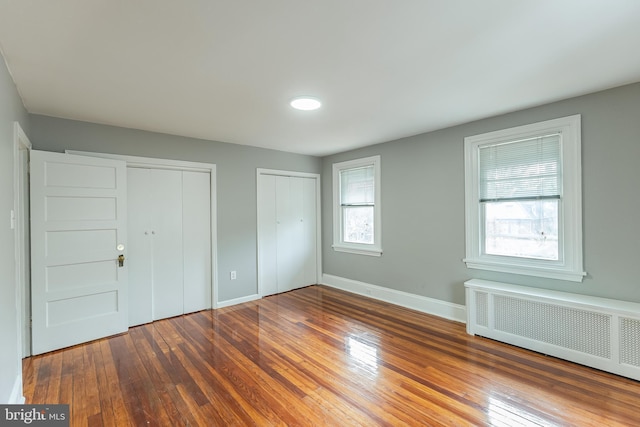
[235,301]
[16,397]
[436,307]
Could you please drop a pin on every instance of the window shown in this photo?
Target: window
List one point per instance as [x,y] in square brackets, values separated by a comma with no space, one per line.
[356,206]
[523,200]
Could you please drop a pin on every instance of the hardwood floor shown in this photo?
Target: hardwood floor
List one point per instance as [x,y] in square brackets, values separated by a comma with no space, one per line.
[321,357]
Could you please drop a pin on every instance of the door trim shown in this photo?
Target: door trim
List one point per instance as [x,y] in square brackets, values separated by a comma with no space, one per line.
[20,223]
[156,163]
[260,172]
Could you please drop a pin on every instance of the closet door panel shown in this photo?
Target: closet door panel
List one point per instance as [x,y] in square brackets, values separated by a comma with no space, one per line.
[166,232]
[139,250]
[196,216]
[268,232]
[285,235]
[309,232]
[297,242]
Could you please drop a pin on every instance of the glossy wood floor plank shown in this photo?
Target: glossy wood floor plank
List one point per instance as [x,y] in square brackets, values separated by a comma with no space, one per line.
[321,357]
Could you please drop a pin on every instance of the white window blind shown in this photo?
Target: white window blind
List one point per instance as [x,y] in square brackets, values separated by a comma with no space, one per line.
[529,169]
[357,186]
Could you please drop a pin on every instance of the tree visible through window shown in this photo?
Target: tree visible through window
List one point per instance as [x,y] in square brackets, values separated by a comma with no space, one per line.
[527,229]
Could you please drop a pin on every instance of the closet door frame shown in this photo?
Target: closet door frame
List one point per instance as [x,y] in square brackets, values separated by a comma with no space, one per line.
[260,172]
[181,165]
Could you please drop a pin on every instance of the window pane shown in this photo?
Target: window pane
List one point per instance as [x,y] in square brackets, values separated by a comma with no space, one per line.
[527,229]
[358,224]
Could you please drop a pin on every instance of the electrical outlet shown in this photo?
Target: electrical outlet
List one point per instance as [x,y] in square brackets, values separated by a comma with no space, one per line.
[233,275]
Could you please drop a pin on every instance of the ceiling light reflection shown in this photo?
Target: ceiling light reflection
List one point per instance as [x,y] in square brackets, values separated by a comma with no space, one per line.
[501,412]
[365,355]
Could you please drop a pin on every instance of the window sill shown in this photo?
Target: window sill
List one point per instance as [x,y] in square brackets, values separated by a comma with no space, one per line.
[537,271]
[373,251]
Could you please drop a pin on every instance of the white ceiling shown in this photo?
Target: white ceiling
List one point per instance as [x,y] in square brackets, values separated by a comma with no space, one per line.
[384,69]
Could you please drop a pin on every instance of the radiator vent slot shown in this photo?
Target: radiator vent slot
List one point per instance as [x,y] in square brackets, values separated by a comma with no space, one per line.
[630,341]
[579,330]
[482,312]
[597,332]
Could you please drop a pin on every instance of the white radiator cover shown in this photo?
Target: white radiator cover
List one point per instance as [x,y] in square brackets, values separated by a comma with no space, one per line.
[597,332]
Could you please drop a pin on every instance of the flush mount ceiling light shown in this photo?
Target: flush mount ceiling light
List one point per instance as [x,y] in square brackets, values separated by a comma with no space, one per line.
[305,103]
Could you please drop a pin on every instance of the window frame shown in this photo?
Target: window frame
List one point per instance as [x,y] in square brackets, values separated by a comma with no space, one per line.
[339,244]
[569,266]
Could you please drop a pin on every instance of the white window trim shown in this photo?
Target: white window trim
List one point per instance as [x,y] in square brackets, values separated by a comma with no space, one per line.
[357,248]
[570,265]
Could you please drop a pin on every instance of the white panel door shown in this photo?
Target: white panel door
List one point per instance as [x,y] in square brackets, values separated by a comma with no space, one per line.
[139,253]
[166,234]
[267,235]
[196,228]
[78,221]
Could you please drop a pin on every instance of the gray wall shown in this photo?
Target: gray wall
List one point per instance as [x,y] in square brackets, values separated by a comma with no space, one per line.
[423,204]
[11,110]
[236,181]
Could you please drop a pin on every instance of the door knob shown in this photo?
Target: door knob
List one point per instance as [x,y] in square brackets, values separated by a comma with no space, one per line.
[121,260]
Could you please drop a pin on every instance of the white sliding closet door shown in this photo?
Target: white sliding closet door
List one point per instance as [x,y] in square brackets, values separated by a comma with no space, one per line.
[166,233]
[287,222]
[267,235]
[170,230]
[140,249]
[196,227]
[287,234]
[308,237]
